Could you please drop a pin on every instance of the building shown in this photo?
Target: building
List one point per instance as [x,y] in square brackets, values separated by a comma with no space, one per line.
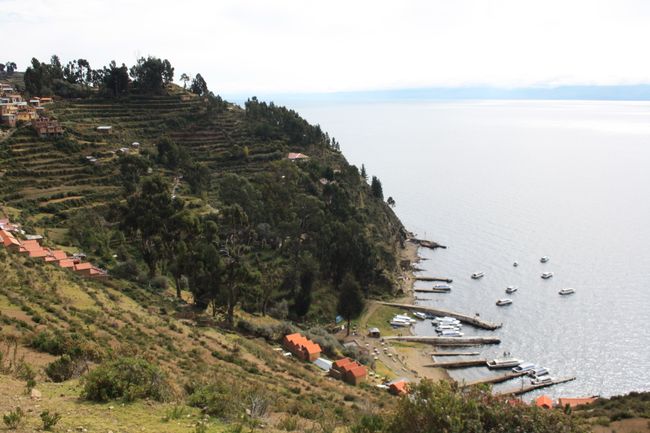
[399,387]
[46,127]
[374,333]
[302,347]
[104,129]
[544,401]
[8,120]
[578,401]
[296,156]
[349,371]
[9,241]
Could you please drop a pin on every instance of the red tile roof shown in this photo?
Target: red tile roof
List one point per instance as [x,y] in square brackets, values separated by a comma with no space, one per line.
[82,266]
[66,263]
[577,401]
[544,401]
[358,371]
[399,388]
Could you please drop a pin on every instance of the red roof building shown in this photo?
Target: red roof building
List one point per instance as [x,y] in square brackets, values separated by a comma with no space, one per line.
[544,401]
[578,401]
[349,371]
[398,388]
[297,156]
[301,347]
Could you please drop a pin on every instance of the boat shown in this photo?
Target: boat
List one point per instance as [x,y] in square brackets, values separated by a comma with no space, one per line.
[567,291]
[524,367]
[543,380]
[538,372]
[445,287]
[451,333]
[420,315]
[441,328]
[405,318]
[477,275]
[400,323]
[545,259]
[515,264]
[547,275]
[445,321]
[504,301]
[511,289]
[503,363]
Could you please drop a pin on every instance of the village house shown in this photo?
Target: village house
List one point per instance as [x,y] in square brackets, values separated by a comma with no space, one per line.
[573,402]
[46,127]
[296,156]
[398,387]
[544,401]
[8,120]
[104,129]
[301,347]
[349,371]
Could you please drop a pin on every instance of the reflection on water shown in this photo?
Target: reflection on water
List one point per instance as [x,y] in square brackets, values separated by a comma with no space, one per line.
[505,181]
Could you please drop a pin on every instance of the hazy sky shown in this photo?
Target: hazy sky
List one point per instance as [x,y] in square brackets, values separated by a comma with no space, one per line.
[264,46]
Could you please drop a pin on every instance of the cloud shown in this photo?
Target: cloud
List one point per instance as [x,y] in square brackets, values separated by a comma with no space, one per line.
[306,46]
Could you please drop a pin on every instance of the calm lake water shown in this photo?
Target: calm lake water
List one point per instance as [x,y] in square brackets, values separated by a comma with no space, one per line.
[499,181]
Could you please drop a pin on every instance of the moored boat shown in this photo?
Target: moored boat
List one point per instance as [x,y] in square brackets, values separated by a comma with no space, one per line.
[524,367]
[567,291]
[503,363]
[545,259]
[451,333]
[420,315]
[445,287]
[543,380]
[504,301]
[400,323]
[547,275]
[515,264]
[511,289]
[477,275]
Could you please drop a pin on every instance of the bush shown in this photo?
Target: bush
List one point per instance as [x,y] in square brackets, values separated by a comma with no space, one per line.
[14,418]
[49,420]
[63,369]
[215,399]
[127,379]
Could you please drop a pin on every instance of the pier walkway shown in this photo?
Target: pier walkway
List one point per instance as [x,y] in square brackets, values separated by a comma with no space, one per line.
[474,321]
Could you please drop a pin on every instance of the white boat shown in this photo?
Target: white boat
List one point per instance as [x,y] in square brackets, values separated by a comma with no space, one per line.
[445,287]
[524,367]
[441,328]
[538,372]
[543,380]
[547,275]
[567,291]
[503,363]
[400,323]
[405,318]
[515,264]
[545,259]
[445,321]
[451,333]
[511,289]
[477,275]
[419,315]
[504,301]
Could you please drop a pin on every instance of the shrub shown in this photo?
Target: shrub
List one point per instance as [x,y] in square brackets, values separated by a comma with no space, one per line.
[49,420]
[63,369]
[14,418]
[215,399]
[127,379]
[289,423]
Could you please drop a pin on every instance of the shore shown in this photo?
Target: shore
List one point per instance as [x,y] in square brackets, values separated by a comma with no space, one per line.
[402,359]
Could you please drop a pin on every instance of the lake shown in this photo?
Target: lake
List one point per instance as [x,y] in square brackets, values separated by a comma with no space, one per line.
[499,181]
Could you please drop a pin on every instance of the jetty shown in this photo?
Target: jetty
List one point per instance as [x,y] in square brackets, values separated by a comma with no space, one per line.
[495,379]
[530,387]
[427,244]
[472,320]
[432,290]
[459,364]
[446,341]
[455,353]
[442,279]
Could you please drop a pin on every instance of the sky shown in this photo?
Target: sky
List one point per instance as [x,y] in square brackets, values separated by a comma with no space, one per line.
[304,46]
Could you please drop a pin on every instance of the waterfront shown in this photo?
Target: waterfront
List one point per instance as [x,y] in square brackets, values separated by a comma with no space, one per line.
[499,181]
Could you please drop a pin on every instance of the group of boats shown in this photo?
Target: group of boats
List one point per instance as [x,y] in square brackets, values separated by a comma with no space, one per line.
[512,289]
[444,326]
[539,375]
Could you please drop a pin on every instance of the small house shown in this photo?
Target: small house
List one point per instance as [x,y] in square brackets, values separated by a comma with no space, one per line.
[46,100]
[66,263]
[8,120]
[544,401]
[301,347]
[46,127]
[296,156]
[374,333]
[56,255]
[9,241]
[349,371]
[399,387]
[104,129]
[573,402]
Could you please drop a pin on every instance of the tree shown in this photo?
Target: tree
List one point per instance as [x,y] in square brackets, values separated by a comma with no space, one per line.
[364,175]
[151,75]
[238,277]
[376,189]
[390,201]
[351,300]
[132,168]
[114,80]
[10,67]
[185,79]
[199,86]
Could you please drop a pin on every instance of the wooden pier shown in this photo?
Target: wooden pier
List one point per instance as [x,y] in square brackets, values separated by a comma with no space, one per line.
[446,341]
[433,290]
[441,279]
[474,321]
[455,353]
[530,387]
[459,364]
[495,379]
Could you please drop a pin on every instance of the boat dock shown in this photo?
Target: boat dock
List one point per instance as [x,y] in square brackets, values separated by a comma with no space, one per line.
[441,279]
[460,364]
[455,353]
[433,290]
[495,379]
[530,387]
[446,341]
[474,321]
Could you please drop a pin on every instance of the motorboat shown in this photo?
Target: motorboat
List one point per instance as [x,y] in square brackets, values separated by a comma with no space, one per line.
[441,328]
[567,291]
[446,321]
[545,259]
[504,301]
[515,264]
[445,287]
[538,372]
[524,367]
[511,289]
[543,380]
[477,275]
[451,333]
[420,315]
[503,363]
[405,318]
[400,323]
[547,275]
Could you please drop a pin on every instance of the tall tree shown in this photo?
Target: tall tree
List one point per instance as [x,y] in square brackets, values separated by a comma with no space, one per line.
[151,75]
[199,86]
[364,175]
[10,67]
[115,80]
[185,79]
[376,189]
[351,300]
